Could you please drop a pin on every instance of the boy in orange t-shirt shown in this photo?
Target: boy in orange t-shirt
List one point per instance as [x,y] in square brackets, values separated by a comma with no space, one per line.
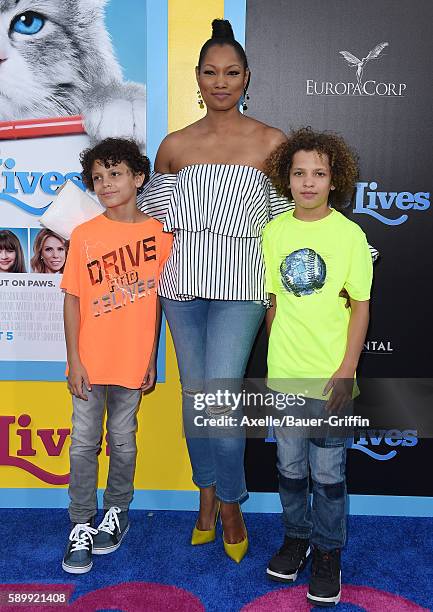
[112,318]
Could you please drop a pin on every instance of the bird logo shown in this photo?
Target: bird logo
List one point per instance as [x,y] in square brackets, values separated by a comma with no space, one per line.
[353,61]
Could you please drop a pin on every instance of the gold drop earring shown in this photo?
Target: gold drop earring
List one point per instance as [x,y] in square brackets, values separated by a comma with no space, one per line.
[200,99]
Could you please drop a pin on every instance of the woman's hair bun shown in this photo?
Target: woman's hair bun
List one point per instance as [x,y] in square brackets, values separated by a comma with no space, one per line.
[222,34]
[221,28]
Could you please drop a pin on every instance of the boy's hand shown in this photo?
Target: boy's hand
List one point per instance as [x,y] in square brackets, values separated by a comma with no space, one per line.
[149,378]
[341,384]
[78,381]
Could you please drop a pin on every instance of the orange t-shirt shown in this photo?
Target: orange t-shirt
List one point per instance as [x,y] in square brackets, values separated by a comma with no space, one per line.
[114,267]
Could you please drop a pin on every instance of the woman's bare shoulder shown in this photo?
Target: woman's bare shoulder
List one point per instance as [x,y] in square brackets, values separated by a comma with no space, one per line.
[271,135]
[268,136]
[275,136]
[166,152]
[171,146]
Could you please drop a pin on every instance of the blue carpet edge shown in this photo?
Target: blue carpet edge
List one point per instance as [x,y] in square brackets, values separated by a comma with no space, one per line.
[367,505]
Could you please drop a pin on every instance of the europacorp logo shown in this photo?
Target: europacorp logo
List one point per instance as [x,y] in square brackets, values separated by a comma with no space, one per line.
[362,86]
[381,444]
[370,199]
[30,183]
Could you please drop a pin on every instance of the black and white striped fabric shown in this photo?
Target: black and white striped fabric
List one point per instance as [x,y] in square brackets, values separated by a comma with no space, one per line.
[217,213]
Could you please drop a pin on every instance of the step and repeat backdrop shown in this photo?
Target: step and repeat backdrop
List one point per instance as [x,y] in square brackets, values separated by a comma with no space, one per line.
[359,68]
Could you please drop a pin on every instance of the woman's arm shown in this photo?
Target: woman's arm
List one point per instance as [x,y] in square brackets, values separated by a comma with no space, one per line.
[77,376]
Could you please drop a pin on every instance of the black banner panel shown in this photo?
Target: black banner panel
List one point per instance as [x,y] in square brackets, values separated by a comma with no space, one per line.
[363,69]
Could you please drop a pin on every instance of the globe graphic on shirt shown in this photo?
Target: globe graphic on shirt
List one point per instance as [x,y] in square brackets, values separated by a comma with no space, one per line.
[303,272]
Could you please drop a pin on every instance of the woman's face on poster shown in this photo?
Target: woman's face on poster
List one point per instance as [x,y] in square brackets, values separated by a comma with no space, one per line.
[53,254]
[7,259]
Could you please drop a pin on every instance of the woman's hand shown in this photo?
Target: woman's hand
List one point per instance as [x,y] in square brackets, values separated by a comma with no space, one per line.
[149,377]
[78,381]
[343,293]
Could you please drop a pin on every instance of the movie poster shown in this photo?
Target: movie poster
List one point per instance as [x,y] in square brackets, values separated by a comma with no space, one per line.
[69,81]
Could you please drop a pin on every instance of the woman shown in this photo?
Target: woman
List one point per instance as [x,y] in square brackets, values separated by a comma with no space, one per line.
[50,251]
[211,192]
[11,253]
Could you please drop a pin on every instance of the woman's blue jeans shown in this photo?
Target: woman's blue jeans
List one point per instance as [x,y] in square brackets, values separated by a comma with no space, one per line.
[213,340]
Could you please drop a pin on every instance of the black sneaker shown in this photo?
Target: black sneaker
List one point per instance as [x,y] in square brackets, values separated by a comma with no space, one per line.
[114,526]
[289,560]
[78,555]
[325,583]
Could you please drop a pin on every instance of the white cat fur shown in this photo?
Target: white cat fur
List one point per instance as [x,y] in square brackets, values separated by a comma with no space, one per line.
[67,68]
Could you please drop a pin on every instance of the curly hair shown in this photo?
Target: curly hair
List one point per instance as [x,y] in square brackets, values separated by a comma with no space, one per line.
[37,262]
[342,160]
[10,242]
[113,151]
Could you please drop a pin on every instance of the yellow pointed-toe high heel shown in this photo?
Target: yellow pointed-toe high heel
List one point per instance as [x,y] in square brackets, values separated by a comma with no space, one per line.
[204,536]
[237,551]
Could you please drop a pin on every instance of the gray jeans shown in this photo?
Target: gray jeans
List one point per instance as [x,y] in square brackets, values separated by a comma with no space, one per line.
[86,440]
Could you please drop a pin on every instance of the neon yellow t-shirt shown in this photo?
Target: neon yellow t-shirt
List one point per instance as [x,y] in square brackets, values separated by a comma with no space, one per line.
[307,265]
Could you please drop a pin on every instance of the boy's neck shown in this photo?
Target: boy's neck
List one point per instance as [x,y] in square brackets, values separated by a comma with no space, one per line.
[314,214]
[125,213]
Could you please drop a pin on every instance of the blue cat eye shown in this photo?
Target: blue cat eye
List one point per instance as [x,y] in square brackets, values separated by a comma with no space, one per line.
[28,23]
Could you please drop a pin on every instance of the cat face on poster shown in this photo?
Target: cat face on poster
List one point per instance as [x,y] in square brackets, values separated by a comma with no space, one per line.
[56,59]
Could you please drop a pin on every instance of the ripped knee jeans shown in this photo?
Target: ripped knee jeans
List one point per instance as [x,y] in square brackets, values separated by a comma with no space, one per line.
[323,521]
[86,441]
[213,340]
[216,452]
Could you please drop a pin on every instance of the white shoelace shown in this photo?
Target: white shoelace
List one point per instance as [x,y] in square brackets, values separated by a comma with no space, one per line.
[110,520]
[81,536]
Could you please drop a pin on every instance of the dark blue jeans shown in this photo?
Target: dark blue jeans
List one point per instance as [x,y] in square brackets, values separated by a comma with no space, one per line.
[213,341]
[324,523]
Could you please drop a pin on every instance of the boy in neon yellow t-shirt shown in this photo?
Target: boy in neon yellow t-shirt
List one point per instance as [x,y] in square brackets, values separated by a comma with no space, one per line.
[311,254]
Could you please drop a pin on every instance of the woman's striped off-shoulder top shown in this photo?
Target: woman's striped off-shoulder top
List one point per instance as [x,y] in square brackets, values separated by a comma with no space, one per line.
[217,213]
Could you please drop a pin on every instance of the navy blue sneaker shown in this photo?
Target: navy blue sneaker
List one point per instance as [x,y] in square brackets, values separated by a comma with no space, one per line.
[324,589]
[289,560]
[111,531]
[78,555]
